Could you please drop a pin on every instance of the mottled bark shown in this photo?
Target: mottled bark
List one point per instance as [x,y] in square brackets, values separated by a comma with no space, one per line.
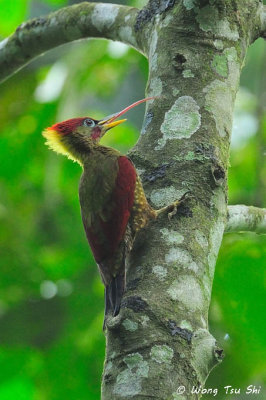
[160,340]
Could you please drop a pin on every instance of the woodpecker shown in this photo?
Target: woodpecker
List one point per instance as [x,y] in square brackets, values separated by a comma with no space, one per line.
[112,200]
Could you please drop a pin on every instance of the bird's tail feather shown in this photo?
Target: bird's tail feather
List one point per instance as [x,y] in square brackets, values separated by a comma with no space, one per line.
[113,296]
[117,289]
[107,304]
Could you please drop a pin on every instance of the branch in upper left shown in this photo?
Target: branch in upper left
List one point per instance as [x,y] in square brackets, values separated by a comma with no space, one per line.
[68,24]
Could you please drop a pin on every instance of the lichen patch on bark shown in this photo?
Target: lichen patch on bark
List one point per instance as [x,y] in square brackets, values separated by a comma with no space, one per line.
[219,64]
[126,34]
[216,235]
[130,325]
[186,325]
[165,196]
[218,101]
[220,94]
[209,21]
[152,50]
[181,121]
[188,292]
[162,354]
[177,256]
[201,239]
[159,271]
[154,62]
[129,380]
[218,44]
[187,73]
[104,16]
[156,87]
[171,237]
[189,4]
[234,67]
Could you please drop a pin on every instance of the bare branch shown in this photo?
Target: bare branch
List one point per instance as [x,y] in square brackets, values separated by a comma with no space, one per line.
[246,218]
[68,24]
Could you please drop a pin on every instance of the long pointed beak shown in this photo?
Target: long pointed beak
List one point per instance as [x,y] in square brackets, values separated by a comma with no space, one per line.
[108,125]
[109,122]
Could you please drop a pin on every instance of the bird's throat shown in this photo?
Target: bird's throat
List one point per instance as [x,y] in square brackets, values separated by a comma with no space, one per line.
[70,146]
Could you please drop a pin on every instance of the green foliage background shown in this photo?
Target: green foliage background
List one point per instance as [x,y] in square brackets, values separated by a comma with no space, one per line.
[51,297]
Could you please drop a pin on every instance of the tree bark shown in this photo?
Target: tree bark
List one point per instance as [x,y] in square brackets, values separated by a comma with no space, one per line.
[242,218]
[159,345]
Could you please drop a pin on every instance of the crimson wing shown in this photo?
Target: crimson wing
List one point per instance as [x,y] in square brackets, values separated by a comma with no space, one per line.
[107,228]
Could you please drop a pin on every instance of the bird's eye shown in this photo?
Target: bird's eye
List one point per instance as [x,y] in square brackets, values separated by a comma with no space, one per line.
[88,122]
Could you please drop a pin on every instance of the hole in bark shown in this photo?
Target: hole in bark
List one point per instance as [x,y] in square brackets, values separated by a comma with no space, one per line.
[218,173]
[179,60]
[219,353]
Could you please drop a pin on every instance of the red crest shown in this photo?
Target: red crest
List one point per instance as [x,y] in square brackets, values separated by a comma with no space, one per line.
[67,126]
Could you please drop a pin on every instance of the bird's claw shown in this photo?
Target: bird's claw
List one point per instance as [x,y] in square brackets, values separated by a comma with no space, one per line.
[177,203]
[185,196]
[172,213]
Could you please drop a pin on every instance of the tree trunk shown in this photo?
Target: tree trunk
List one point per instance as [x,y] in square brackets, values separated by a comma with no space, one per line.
[159,346]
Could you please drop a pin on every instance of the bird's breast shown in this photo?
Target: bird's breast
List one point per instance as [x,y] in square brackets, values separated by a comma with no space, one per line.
[97,184]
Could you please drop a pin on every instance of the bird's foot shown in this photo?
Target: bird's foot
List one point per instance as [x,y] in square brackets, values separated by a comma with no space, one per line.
[172,208]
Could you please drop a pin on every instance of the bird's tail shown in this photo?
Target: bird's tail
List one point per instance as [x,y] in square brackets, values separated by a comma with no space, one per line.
[113,295]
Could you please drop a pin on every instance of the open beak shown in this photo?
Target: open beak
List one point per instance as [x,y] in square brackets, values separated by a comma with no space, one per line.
[109,122]
[108,125]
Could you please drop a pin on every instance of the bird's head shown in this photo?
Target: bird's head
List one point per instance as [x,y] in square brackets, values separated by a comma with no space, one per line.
[77,135]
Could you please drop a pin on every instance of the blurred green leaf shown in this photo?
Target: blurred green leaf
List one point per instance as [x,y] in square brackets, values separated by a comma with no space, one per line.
[17,389]
[56,2]
[12,13]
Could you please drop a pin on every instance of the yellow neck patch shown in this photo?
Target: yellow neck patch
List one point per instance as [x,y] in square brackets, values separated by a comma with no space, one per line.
[56,142]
